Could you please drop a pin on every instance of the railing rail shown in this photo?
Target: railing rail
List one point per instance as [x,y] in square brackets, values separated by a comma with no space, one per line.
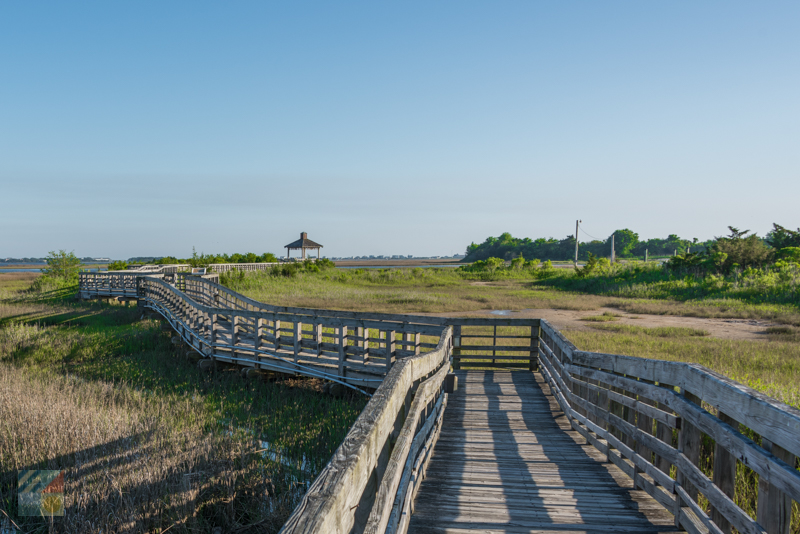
[228,327]
[650,417]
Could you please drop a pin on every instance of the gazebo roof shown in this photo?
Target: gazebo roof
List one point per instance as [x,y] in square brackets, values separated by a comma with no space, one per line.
[303,242]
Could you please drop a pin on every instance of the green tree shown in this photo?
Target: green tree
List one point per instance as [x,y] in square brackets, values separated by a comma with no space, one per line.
[742,249]
[780,237]
[624,241]
[61,264]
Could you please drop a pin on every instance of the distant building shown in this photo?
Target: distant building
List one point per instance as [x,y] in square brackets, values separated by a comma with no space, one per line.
[302,244]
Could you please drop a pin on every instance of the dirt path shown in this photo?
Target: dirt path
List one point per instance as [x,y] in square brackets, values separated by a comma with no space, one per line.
[571,319]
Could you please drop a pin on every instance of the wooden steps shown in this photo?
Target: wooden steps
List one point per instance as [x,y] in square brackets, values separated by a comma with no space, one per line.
[507,461]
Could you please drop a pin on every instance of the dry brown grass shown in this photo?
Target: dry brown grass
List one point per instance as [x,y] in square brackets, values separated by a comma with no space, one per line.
[134,462]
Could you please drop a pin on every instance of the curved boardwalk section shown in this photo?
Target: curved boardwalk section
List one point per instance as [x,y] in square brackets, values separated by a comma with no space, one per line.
[508,461]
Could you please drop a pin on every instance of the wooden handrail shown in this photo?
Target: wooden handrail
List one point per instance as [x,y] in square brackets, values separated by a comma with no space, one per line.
[342,496]
[627,407]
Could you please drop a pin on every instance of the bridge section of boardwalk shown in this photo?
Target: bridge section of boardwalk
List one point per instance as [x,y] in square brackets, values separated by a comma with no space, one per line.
[572,441]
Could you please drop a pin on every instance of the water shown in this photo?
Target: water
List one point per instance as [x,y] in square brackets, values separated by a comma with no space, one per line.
[500,312]
[394,266]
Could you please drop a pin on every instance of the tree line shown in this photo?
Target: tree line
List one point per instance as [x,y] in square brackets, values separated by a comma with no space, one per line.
[626,243]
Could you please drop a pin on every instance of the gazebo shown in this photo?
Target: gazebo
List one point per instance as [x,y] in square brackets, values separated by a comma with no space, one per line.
[302,244]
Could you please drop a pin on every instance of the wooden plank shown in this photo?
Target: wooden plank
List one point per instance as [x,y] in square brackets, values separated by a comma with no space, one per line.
[502,483]
[774,507]
[724,475]
[342,345]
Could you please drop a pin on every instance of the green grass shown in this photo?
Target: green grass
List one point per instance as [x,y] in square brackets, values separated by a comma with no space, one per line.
[771,293]
[658,331]
[446,290]
[607,316]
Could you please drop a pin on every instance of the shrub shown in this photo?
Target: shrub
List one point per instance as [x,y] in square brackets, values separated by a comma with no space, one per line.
[62,264]
[118,265]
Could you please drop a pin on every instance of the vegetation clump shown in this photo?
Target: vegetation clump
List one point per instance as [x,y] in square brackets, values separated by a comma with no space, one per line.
[61,271]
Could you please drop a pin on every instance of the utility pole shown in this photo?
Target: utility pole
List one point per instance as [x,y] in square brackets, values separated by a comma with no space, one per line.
[576,242]
[645,255]
[613,253]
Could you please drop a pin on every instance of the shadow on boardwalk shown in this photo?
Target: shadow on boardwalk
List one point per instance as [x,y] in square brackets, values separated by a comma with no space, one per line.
[507,461]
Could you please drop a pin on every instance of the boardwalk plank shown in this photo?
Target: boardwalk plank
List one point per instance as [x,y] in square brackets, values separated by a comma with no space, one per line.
[507,461]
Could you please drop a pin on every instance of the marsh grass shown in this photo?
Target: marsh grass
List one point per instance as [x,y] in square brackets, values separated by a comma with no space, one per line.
[124,397]
[445,290]
[772,367]
[658,331]
[405,291]
[134,462]
[607,316]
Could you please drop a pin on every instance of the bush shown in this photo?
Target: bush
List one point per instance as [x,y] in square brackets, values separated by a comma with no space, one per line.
[62,265]
[118,265]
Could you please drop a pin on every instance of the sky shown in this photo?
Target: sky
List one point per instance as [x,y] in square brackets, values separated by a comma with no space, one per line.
[149,128]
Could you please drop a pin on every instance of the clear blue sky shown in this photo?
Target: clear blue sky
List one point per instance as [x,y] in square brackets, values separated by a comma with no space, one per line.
[139,128]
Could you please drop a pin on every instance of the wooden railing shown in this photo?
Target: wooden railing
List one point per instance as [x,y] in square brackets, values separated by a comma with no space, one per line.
[247,267]
[116,284]
[229,327]
[651,417]
[371,481]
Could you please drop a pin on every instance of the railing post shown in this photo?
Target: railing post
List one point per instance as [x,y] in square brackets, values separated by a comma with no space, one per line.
[724,474]
[298,335]
[664,434]
[456,347]
[494,344]
[774,507]
[277,331]
[234,333]
[365,332]
[318,338]
[389,348]
[533,362]
[259,331]
[342,349]
[689,441]
[213,332]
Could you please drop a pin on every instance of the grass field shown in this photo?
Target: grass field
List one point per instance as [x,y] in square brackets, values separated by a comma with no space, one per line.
[443,290]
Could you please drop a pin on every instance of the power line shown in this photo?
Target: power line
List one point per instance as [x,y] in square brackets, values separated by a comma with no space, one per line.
[590,235]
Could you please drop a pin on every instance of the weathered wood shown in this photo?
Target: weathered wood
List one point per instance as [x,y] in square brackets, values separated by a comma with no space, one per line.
[342,352]
[523,471]
[774,507]
[724,475]
[404,452]
[330,504]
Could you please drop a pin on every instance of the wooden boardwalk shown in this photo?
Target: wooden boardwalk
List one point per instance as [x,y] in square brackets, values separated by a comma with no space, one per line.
[507,461]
